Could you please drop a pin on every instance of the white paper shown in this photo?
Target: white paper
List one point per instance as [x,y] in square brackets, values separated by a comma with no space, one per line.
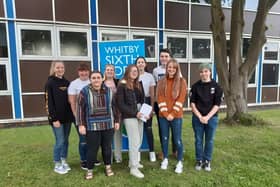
[145,110]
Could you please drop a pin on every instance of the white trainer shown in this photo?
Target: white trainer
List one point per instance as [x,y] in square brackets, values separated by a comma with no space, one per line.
[58,168]
[136,173]
[179,167]
[66,166]
[153,157]
[207,166]
[164,164]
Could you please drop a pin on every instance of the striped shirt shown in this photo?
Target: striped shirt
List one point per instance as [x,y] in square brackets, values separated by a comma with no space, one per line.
[94,108]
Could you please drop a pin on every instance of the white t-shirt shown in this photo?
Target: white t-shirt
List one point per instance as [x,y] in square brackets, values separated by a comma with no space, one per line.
[147,81]
[76,86]
[159,73]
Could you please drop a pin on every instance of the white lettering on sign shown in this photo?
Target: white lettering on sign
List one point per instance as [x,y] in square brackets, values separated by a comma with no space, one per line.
[122,49]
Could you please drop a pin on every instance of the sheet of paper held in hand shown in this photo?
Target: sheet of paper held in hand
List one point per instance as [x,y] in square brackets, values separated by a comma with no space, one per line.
[146,111]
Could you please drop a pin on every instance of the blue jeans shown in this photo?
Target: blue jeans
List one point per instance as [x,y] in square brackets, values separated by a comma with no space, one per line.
[204,153]
[176,128]
[82,145]
[61,135]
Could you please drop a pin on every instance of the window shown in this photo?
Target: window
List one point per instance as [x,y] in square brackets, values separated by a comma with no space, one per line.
[177,46]
[246,44]
[3,41]
[3,78]
[36,42]
[201,48]
[270,74]
[73,43]
[271,51]
[149,44]
[111,36]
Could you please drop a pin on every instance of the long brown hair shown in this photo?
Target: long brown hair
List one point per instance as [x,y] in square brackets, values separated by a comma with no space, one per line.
[162,86]
[129,83]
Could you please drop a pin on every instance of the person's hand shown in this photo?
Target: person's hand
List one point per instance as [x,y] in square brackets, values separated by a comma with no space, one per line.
[170,117]
[139,115]
[82,130]
[56,124]
[204,120]
[117,126]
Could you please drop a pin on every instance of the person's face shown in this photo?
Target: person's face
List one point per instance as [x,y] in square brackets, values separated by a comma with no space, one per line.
[96,80]
[171,70]
[133,74]
[141,64]
[109,72]
[164,58]
[205,74]
[59,69]
[83,75]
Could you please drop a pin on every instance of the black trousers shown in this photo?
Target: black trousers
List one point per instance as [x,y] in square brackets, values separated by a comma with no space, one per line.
[95,139]
[156,109]
[148,128]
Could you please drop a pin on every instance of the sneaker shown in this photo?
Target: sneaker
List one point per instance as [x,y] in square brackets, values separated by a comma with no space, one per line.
[84,165]
[164,164]
[198,165]
[207,166]
[97,163]
[118,161]
[136,173]
[66,166]
[153,156]
[60,169]
[179,167]
[140,166]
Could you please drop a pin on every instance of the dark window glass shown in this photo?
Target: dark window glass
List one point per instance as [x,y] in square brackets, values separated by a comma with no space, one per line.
[246,44]
[177,46]
[270,74]
[201,48]
[253,78]
[36,42]
[73,43]
[3,78]
[271,51]
[228,48]
[3,41]
[149,45]
[111,37]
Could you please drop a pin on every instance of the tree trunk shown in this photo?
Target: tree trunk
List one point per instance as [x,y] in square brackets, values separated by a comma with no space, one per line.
[233,77]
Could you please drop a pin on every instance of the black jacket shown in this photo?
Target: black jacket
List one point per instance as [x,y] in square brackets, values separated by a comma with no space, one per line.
[56,97]
[205,95]
[127,100]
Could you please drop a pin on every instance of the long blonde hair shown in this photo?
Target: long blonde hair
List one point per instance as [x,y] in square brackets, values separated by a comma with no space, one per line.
[106,66]
[53,66]
[162,86]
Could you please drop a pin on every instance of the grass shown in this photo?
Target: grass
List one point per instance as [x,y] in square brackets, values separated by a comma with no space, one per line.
[243,156]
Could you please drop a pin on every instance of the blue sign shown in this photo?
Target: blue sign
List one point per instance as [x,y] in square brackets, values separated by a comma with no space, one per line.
[120,54]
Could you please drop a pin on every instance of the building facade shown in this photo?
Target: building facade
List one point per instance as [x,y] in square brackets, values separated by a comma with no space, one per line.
[33,33]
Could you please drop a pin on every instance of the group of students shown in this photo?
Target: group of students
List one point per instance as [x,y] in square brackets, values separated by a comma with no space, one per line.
[100,104]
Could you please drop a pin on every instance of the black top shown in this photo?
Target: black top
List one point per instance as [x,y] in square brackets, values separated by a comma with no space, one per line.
[127,100]
[57,105]
[205,95]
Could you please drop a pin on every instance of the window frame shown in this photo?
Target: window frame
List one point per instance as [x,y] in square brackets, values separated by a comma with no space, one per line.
[77,30]
[5,61]
[199,60]
[147,33]
[113,32]
[37,27]
[271,62]
[178,35]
